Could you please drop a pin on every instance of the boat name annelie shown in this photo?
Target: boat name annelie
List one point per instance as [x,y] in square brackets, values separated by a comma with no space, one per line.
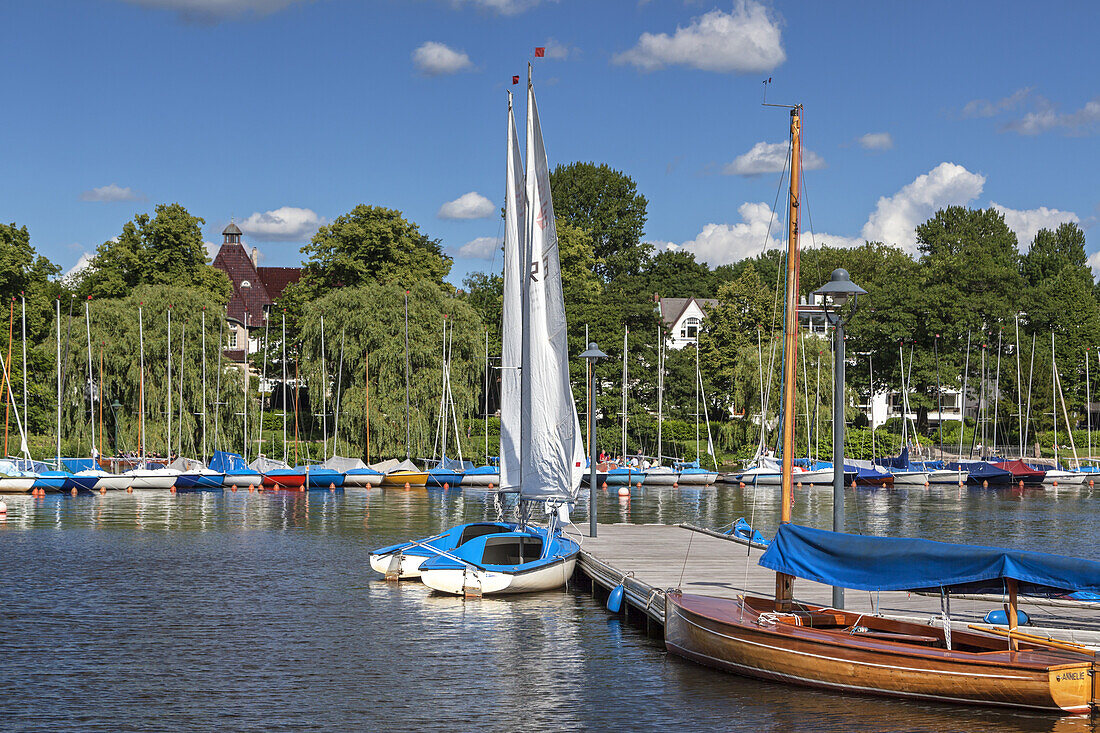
[1067,676]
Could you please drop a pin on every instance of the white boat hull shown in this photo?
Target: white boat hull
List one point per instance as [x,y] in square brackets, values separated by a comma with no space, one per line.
[109,481]
[480,479]
[774,478]
[947,476]
[242,480]
[697,479]
[657,477]
[152,479]
[490,582]
[362,479]
[1068,478]
[911,478]
[408,567]
[16,484]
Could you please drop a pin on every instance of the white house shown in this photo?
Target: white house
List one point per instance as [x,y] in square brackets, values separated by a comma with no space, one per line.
[682,317]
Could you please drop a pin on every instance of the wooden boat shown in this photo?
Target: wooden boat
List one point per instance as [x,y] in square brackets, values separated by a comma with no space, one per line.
[830,649]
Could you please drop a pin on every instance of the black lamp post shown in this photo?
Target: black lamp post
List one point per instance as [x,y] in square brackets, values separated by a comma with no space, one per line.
[835,294]
[590,356]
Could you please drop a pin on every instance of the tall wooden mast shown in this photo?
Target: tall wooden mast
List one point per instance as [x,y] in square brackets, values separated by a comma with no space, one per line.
[783,582]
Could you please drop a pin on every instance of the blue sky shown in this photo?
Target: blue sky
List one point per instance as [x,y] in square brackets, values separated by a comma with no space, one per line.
[284,114]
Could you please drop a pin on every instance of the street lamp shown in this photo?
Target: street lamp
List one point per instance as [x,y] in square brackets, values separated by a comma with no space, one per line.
[835,294]
[590,356]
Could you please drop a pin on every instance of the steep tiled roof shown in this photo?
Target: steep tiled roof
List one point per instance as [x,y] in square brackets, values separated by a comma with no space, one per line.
[253,287]
[275,279]
[673,308]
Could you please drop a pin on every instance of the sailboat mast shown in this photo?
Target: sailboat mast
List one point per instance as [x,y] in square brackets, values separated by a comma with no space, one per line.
[204,385]
[997,390]
[338,399]
[1088,400]
[1054,395]
[23,297]
[626,333]
[324,390]
[263,382]
[366,398]
[660,392]
[169,390]
[1019,388]
[962,398]
[407,433]
[91,389]
[141,388]
[283,400]
[485,399]
[784,582]
[218,381]
[697,399]
[59,384]
[179,430]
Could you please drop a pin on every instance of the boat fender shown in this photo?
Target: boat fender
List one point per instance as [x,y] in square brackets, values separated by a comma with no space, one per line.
[615,599]
[998,617]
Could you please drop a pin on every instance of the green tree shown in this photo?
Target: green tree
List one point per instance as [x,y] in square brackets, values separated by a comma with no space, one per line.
[676,274]
[165,249]
[370,244]
[606,203]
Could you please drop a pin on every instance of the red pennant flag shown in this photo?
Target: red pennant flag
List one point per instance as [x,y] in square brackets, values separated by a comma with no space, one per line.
[540,51]
[515,78]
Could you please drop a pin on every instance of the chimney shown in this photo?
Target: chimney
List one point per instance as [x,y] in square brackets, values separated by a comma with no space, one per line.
[255,257]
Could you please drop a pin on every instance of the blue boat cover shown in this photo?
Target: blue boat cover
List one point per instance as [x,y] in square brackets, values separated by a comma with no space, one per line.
[898,563]
[72,465]
[980,470]
[224,462]
[900,461]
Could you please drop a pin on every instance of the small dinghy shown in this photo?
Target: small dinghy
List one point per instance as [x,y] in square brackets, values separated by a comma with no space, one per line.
[356,473]
[742,530]
[194,476]
[234,470]
[403,560]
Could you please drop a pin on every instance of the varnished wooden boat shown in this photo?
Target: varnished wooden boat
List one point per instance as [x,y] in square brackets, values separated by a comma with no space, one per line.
[855,653]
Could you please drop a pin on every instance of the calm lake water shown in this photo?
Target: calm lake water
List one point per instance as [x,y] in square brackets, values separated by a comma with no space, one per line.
[241,611]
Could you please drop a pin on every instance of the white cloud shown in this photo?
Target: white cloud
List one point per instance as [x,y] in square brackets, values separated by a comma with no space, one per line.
[559,51]
[1083,121]
[1027,222]
[211,250]
[1094,263]
[74,273]
[112,192]
[285,224]
[876,141]
[988,108]
[896,217]
[745,40]
[769,158]
[482,248]
[212,11]
[504,7]
[470,205]
[719,244]
[437,59]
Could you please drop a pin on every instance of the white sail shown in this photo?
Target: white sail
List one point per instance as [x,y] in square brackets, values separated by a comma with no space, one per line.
[550,428]
[515,205]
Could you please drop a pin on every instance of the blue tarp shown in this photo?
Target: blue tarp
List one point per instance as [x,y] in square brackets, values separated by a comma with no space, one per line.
[224,462]
[890,563]
[980,470]
[72,465]
[900,462]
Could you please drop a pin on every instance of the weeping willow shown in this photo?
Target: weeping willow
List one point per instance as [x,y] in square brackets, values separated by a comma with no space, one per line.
[372,320]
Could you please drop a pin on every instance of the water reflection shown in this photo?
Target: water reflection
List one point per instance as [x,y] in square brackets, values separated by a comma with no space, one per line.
[263,608]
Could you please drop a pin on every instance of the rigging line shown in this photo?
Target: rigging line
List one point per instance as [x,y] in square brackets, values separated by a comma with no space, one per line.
[686,556]
[778,191]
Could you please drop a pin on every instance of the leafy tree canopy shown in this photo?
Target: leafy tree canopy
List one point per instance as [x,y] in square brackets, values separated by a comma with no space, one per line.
[606,203]
[165,249]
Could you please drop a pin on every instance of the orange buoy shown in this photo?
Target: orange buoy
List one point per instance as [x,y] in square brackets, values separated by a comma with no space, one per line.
[960,484]
[406,484]
[1090,483]
[853,483]
[491,484]
[129,490]
[233,489]
[103,490]
[1021,484]
[172,490]
[331,486]
[73,492]
[676,484]
[604,487]
[799,484]
[302,487]
[985,484]
[1056,484]
[741,485]
[926,484]
[446,486]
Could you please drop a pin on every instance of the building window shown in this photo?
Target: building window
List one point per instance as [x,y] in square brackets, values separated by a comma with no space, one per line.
[232,343]
[690,329]
[245,284]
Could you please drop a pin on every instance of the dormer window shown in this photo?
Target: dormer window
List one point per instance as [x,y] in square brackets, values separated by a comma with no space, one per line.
[246,284]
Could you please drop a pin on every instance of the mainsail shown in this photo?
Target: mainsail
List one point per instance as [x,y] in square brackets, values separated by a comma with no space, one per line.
[552,450]
[515,206]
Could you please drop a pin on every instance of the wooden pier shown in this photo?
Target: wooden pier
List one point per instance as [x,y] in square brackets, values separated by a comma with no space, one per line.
[648,559]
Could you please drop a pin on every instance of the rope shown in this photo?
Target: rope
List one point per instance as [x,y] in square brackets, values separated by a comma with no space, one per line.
[686,555]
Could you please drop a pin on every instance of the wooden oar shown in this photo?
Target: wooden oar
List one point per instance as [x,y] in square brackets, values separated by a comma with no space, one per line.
[1032,639]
